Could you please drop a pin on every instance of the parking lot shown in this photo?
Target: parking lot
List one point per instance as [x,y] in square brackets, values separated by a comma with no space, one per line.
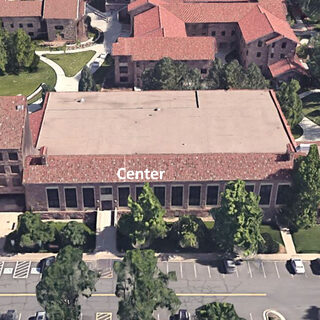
[252,288]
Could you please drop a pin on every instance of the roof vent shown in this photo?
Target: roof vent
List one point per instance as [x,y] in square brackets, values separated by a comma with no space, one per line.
[19,107]
[82,100]
[156,109]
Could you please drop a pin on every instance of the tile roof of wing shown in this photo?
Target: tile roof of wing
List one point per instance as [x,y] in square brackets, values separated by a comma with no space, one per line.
[286,65]
[20,8]
[57,9]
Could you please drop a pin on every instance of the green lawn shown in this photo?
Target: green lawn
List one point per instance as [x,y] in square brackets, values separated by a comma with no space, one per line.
[105,73]
[71,63]
[26,83]
[311,107]
[274,233]
[307,241]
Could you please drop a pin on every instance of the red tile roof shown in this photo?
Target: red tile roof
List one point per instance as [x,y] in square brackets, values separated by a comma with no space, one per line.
[154,48]
[187,167]
[12,121]
[286,65]
[20,8]
[59,9]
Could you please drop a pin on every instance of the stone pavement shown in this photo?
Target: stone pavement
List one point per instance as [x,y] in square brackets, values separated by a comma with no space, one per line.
[288,241]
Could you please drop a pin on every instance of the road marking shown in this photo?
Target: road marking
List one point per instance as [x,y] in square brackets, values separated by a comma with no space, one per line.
[250,314]
[275,265]
[248,264]
[1,267]
[181,270]
[167,267]
[7,270]
[107,273]
[237,273]
[221,294]
[158,316]
[264,273]
[195,270]
[103,316]
[22,269]
[209,272]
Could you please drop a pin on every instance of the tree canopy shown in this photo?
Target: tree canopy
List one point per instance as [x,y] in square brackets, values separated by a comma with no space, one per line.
[217,311]
[145,221]
[290,102]
[86,82]
[301,211]
[142,287]
[238,220]
[314,61]
[62,283]
[311,8]
[74,233]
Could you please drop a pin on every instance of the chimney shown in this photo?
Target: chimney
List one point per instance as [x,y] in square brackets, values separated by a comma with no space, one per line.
[43,155]
[290,152]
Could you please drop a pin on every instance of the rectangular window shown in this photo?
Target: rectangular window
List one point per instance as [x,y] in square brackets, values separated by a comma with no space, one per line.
[1,157]
[138,64]
[123,59]
[247,52]
[259,43]
[71,197]
[3,182]
[106,190]
[223,33]
[271,55]
[30,25]
[20,25]
[283,45]
[123,69]
[282,56]
[12,25]
[13,156]
[123,196]
[138,191]
[15,169]
[88,197]
[58,27]
[53,198]
[160,193]
[212,195]
[265,193]
[194,195]
[258,54]
[123,79]
[177,196]
[213,33]
[2,170]
[249,187]
[282,193]
[203,71]
[273,44]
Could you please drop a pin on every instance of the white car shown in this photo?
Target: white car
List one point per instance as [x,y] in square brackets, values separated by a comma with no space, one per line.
[40,315]
[103,56]
[297,266]
[95,64]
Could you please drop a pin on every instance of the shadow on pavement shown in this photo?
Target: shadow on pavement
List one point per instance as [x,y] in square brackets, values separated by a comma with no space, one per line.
[313,313]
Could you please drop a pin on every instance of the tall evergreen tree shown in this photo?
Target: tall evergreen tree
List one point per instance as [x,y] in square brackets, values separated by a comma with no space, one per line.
[238,220]
[311,8]
[145,222]
[3,50]
[142,287]
[217,311]
[86,82]
[255,78]
[217,76]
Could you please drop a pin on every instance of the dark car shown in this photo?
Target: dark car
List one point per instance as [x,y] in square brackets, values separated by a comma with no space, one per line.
[229,265]
[10,315]
[47,262]
[182,315]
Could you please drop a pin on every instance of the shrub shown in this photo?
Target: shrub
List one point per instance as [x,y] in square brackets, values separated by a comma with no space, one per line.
[303,51]
[269,246]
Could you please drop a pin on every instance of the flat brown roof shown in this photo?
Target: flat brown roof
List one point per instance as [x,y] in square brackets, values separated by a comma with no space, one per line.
[162,122]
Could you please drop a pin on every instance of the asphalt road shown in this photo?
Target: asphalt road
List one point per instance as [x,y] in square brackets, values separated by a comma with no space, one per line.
[255,286]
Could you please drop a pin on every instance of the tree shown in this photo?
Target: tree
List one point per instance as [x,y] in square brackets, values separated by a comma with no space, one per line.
[255,78]
[238,220]
[217,311]
[46,88]
[62,283]
[235,76]
[217,77]
[314,61]
[301,211]
[3,50]
[311,8]
[86,82]
[145,222]
[168,74]
[142,287]
[189,231]
[290,102]
[74,234]
[34,64]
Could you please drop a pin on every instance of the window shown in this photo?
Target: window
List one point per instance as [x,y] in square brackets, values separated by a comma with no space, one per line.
[88,197]
[273,44]
[259,43]
[31,34]
[3,182]
[233,32]
[71,197]
[194,195]
[138,191]
[20,25]
[59,27]
[283,45]
[258,54]
[138,64]
[30,25]
[1,158]
[213,33]
[249,187]
[283,191]
[13,156]
[177,196]
[2,170]
[160,193]
[265,193]
[223,33]
[16,182]
[15,169]
[212,195]
[247,52]
[53,198]
[123,79]
[123,69]
[203,71]
[12,25]
[282,56]
[123,196]
[106,190]
[123,59]
[271,55]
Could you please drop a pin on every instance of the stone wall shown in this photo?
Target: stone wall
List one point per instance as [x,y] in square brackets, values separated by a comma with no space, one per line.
[31,25]
[62,29]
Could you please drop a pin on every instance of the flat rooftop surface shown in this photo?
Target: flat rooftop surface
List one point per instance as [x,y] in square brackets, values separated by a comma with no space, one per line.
[162,122]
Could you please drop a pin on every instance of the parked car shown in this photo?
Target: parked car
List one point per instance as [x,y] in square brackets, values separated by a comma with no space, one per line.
[46,262]
[103,56]
[183,315]
[297,266]
[95,64]
[229,265]
[40,315]
[10,315]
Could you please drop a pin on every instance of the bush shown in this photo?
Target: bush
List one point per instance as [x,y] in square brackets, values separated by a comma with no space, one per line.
[269,246]
[303,51]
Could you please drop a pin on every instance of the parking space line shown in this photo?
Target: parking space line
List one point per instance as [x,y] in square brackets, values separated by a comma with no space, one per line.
[181,270]
[276,267]
[249,269]
[264,273]
[237,273]
[209,272]
[167,267]
[250,314]
[1,267]
[103,316]
[195,270]
[158,316]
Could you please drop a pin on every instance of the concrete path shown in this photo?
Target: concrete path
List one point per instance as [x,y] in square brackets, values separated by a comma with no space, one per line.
[311,131]
[307,93]
[288,241]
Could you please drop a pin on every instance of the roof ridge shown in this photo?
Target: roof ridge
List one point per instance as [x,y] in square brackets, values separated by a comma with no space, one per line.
[264,13]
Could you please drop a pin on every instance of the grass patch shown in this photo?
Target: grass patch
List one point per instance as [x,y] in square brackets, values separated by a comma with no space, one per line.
[297,131]
[209,224]
[71,63]
[274,233]
[308,240]
[27,82]
[104,76]
[311,107]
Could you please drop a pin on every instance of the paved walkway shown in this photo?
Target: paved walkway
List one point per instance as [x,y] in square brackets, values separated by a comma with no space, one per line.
[288,242]
[307,93]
